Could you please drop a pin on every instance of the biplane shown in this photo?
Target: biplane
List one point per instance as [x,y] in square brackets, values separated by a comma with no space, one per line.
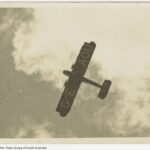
[76,77]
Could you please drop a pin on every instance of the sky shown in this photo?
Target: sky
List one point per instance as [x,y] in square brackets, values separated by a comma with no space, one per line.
[37,44]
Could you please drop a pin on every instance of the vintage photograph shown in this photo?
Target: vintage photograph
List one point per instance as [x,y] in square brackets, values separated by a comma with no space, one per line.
[75,70]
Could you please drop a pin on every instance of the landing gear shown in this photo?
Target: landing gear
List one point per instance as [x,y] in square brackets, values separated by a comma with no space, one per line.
[63,114]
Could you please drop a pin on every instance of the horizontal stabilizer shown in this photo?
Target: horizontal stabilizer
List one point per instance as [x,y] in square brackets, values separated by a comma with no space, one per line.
[104,89]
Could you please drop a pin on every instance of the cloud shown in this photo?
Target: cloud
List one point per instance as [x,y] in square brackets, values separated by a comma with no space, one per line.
[30,129]
[51,41]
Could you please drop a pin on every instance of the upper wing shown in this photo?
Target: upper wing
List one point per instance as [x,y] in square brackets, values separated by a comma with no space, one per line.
[75,79]
[84,58]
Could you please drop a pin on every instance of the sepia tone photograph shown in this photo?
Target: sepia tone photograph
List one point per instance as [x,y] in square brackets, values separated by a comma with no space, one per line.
[75,70]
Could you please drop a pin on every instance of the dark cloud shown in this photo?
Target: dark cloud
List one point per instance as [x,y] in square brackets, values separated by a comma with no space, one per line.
[27,102]
[24,96]
[18,92]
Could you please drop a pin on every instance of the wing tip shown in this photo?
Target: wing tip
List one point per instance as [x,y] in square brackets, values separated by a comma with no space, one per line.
[93,44]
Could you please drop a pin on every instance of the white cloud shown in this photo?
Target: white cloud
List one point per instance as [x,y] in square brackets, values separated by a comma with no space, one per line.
[52,41]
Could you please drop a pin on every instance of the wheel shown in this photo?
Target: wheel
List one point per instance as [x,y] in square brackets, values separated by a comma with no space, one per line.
[63,114]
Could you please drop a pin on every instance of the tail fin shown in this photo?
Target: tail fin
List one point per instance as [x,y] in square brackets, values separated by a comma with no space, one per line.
[104,89]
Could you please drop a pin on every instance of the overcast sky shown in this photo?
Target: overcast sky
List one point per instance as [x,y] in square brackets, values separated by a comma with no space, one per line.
[37,44]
